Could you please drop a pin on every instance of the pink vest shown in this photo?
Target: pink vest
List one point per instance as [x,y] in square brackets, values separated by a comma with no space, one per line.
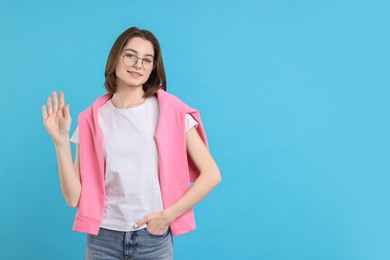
[176,170]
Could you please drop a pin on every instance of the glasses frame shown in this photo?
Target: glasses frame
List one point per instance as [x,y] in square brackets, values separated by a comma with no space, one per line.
[136,61]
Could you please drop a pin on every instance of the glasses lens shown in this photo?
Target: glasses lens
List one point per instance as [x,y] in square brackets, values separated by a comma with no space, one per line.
[130,60]
[148,64]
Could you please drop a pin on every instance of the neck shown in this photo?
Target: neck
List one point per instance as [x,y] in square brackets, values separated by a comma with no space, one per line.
[128,97]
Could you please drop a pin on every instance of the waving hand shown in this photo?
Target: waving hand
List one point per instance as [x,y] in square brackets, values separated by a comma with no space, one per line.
[56,117]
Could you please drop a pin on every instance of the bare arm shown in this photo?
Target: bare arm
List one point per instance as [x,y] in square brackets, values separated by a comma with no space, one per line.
[57,122]
[209,178]
[69,174]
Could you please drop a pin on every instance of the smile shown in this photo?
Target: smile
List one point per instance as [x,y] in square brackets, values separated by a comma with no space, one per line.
[134,74]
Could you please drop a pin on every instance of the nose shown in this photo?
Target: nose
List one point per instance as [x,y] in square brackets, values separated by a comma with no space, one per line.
[138,64]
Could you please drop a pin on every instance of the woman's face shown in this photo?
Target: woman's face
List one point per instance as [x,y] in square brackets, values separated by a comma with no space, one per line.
[131,72]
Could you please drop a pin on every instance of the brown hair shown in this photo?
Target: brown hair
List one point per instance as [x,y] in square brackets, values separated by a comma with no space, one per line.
[157,78]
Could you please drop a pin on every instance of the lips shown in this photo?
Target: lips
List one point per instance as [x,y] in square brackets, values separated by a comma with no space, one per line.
[134,74]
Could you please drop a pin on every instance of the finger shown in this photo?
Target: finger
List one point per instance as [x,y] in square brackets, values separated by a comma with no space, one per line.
[55,101]
[62,100]
[49,106]
[44,113]
[67,111]
[141,222]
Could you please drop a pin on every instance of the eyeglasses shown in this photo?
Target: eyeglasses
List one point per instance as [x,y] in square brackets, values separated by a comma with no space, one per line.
[131,59]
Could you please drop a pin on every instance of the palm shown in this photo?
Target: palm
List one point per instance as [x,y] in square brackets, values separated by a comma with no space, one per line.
[57,124]
[57,118]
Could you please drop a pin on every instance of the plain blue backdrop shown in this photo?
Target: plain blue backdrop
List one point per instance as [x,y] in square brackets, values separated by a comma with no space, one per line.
[294,96]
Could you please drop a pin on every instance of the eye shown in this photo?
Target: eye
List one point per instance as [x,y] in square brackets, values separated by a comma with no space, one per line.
[148,61]
[129,55]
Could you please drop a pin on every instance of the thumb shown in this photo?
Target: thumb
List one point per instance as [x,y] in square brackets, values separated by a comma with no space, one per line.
[141,222]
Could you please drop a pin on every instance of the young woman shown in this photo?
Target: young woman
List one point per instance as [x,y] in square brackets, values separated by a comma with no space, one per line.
[137,150]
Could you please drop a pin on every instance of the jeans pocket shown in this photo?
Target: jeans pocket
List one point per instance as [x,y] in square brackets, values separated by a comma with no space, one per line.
[156,235]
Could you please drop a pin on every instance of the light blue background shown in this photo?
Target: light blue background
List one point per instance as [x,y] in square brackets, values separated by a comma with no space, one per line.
[294,96]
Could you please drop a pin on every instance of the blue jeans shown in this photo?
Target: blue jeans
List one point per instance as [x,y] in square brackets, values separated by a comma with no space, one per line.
[137,245]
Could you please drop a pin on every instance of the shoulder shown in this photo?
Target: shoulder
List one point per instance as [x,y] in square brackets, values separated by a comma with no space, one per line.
[173,101]
[88,112]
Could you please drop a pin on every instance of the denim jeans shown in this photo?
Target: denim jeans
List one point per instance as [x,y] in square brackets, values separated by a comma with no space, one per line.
[136,245]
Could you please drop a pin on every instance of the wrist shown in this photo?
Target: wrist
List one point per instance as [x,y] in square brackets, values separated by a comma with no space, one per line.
[62,141]
[170,214]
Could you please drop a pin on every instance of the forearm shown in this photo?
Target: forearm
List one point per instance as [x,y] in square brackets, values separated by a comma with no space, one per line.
[69,178]
[209,177]
[205,183]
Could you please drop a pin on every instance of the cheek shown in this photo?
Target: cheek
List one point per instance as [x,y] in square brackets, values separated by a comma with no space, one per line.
[119,71]
[147,75]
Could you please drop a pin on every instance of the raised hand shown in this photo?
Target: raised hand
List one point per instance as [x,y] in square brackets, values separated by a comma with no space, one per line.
[57,118]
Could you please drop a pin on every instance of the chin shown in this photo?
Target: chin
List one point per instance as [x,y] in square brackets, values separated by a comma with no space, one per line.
[135,84]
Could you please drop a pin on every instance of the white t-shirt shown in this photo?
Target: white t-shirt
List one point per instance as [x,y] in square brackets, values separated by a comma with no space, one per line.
[131,156]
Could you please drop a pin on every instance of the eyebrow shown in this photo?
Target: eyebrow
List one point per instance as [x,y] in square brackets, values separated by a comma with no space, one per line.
[137,52]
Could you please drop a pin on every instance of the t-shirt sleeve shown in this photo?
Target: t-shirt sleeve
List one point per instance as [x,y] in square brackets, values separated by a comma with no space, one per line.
[75,137]
[190,122]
